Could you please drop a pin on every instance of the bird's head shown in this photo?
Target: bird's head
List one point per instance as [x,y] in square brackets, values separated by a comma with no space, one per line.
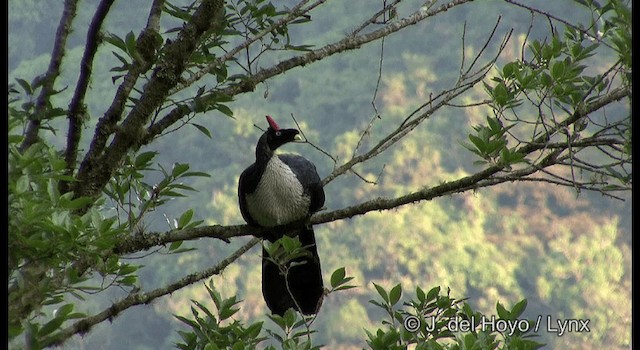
[276,137]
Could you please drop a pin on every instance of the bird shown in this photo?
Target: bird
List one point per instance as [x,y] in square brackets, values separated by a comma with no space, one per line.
[279,190]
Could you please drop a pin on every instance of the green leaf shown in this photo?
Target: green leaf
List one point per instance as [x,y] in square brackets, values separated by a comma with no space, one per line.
[433,293]
[420,294]
[128,280]
[125,63]
[13,139]
[519,308]
[177,12]
[345,287]
[22,185]
[469,340]
[211,346]
[79,203]
[290,317]
[143,159]
[126,269]
[299,47]
[382,292]
[187,321]
[14,330]
[502,312]
[25,86]
[52,190]
[337,277]
[509,70]
[50,327]
[227,312]
[557,70]
[479,143]
[63,311]
[225,110]
[115,41]
[278,320]
[501,94]
[202,129]
[395,294]
[221,73]
[175,245]
[130,41]
[185,218]
[253,331]
[196,173]
[179,169]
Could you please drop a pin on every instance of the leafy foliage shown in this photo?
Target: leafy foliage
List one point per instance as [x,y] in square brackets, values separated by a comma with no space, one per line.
[434,321]
[56,245]
[209,332]
[427,321]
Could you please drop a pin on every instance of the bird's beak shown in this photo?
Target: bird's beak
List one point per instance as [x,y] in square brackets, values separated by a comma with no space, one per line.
[298,138]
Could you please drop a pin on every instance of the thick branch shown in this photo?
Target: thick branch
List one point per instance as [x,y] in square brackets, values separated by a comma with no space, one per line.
[77,109]
[144,44]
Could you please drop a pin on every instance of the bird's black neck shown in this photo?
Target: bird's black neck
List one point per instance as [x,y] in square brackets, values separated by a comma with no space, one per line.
[263,152]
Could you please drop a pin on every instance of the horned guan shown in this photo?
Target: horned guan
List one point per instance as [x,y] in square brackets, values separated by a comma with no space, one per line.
[284,190]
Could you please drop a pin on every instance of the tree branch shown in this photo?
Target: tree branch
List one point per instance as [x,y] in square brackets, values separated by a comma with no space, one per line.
[77,109]
[148,240]
[96,168]
[136,298]
[347,43]
[556,18]
[49,79]
[294,13]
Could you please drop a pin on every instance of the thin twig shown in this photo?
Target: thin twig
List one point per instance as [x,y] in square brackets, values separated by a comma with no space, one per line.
[376,115]
[558,19]
[334,159]
[373,19]
[306,139]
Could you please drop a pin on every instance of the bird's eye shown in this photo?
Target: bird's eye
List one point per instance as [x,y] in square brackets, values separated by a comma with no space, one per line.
[278,133]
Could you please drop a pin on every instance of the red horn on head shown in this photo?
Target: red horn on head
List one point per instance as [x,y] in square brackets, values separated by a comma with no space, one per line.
[272,123]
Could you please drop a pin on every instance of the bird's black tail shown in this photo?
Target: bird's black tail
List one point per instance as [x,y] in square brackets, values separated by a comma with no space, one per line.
[305,280]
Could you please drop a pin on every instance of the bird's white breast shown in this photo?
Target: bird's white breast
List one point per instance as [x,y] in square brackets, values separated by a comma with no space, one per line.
[279,197]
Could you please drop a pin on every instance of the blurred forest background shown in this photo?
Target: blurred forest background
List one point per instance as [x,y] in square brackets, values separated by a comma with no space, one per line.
[568,253]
